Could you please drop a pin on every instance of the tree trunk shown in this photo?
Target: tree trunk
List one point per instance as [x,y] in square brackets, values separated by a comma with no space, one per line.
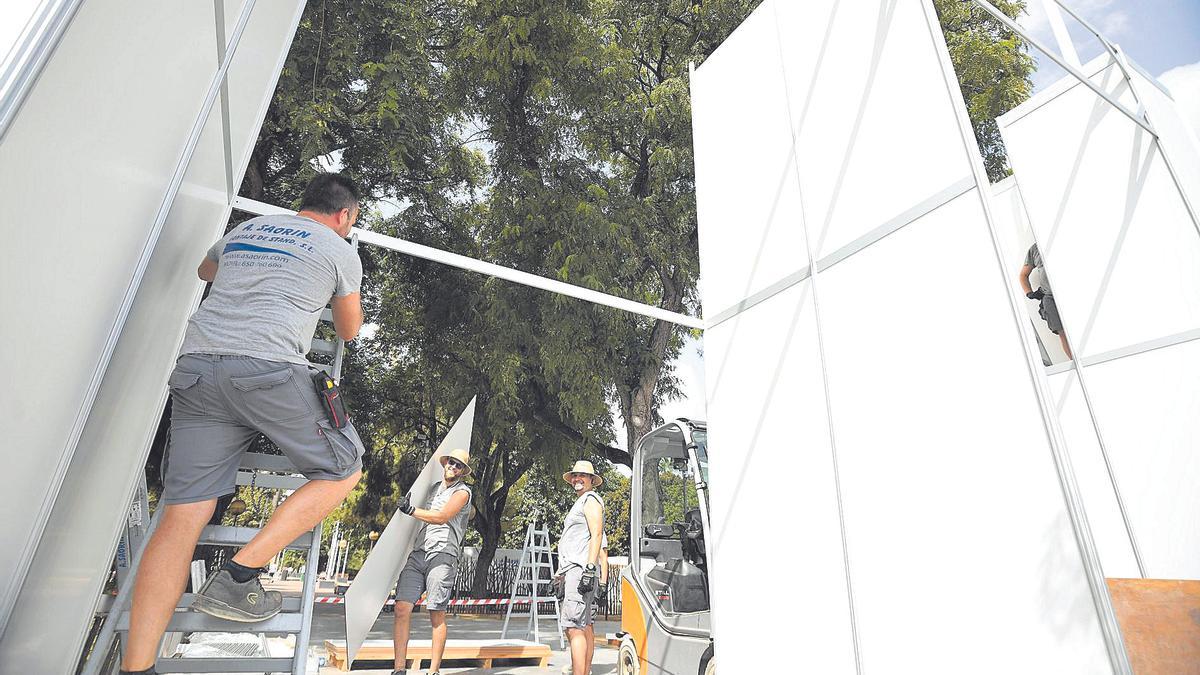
[487,553]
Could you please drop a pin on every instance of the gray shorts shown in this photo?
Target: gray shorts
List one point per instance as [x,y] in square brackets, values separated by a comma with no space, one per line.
[219,405]
[1048,309]
[428,573]
[576,610]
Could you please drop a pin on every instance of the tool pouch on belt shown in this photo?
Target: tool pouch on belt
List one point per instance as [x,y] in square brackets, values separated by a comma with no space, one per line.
[331,400]
[558,584]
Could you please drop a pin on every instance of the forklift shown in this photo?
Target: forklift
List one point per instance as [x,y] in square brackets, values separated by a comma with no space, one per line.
[665,608]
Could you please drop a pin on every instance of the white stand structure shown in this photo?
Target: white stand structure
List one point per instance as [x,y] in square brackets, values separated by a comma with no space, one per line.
[1112,204]
[529,583]
[861,327]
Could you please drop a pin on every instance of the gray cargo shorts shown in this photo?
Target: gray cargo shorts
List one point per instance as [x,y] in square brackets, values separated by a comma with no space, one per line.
[428,573]
[576,608]
[219,405]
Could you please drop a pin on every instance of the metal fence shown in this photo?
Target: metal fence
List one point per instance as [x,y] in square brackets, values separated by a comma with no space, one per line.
[502,574]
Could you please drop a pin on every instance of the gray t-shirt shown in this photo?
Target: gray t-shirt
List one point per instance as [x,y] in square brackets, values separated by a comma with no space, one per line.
[1034,259]
[576,540]
[275,275]
[445,538]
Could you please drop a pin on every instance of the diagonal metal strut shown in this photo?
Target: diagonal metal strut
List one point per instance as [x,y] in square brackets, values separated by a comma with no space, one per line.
[491,269]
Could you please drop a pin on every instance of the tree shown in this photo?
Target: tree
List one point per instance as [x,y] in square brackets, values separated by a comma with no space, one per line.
[993,66]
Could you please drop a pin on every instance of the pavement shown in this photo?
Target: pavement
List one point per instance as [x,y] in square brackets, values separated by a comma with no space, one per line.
[329,623]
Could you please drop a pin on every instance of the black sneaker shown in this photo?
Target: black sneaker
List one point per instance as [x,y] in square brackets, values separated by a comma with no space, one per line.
[148,671]
[225,598]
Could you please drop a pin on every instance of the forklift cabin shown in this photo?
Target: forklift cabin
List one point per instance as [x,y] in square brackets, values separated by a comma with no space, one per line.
[665,607]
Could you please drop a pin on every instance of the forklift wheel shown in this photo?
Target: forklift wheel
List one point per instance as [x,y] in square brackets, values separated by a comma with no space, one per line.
[711,668]
[627,659]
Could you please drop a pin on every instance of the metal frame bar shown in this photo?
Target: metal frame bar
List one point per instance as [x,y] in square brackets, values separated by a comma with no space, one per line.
[1102,601]
[1131,350]
[43,513]
[104,640]
[1014,27]
[227,144]
[300,655]
[1123,63]
[895,224]
[814,275]
[30,55]
[1061,35]
[492,269]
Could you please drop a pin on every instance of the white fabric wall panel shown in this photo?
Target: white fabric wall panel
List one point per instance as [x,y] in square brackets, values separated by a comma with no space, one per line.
[1177,134]
[1146,406]
[1123,256]
[84,167]
[960,542]
[770,435]
[858,75]
[757,202]
[73,555]
[952,501]
[1103,511]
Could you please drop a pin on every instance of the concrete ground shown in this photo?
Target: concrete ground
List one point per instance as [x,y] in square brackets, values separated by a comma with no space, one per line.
[329,623]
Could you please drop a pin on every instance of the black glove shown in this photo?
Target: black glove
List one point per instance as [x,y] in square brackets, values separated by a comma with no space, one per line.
[602,591]
[1036,295]
[405,505]
[588,581]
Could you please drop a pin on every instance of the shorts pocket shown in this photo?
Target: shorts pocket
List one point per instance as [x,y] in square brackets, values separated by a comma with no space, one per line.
[185,394]
[573,612]
[272,396]
[440,592]
[344,449]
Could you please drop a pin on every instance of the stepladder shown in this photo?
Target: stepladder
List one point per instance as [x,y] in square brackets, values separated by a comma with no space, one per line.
[531,589]
[262,478]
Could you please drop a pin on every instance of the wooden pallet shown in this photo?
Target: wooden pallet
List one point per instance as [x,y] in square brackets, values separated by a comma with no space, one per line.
[1160,621]
[419,651]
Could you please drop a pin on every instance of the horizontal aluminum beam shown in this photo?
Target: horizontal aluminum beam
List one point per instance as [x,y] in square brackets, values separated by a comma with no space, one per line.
[491,269]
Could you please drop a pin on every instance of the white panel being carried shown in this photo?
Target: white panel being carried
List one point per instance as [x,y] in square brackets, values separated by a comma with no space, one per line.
[1122,253]
[120,120]
[880,430]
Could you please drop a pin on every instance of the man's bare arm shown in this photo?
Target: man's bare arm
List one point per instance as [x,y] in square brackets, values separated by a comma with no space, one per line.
[1025,271]
[595,520]
[457,501]
[207,269]
[347,315]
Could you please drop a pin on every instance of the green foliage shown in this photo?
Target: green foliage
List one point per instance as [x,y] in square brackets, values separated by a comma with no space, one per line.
[993,66]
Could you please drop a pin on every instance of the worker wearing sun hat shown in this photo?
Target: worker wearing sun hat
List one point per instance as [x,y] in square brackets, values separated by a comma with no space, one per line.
[578,553]
[433,564]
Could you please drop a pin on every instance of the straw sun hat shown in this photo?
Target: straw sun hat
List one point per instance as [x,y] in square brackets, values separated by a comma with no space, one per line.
[459,454]
[584,466]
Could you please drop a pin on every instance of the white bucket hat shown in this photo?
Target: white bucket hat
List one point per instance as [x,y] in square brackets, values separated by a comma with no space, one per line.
[584,466]
[460,455]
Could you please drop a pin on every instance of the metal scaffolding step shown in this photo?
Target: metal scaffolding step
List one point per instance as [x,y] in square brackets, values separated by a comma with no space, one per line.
[188,621]
[224,535]
[250,664]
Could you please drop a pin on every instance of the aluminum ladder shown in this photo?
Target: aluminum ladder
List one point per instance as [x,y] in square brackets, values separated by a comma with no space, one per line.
[527,588]
[260,470]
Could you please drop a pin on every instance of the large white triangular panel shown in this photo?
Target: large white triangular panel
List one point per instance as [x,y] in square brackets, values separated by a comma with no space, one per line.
[882,471]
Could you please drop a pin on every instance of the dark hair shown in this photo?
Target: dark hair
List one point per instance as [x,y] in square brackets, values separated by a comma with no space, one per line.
[329,193]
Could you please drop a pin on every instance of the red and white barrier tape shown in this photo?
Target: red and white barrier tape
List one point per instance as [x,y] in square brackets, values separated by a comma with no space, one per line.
[471,602]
